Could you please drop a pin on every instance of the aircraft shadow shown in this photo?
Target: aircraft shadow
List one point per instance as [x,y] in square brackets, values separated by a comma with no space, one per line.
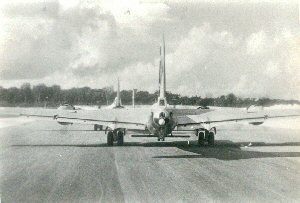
[227,150]
[223,149]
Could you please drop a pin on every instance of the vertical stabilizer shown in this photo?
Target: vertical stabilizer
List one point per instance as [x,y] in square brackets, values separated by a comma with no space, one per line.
[162,76]
[117,102]
[162,71]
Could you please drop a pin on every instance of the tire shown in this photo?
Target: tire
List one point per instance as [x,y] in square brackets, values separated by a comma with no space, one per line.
[211,139]
[201,138]
[120,138]
[110,138]
[95,127]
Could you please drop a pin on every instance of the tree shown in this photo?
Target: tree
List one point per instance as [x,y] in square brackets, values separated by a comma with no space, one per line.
[40,92]
[27,94]
[231,100]
[13,95]
[56,94]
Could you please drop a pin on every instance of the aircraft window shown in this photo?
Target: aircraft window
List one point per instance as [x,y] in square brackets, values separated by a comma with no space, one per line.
[162,102]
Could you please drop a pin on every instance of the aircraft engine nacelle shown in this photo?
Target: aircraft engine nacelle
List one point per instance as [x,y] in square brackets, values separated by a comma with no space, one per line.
[256,123]
[98,127]
[64,123]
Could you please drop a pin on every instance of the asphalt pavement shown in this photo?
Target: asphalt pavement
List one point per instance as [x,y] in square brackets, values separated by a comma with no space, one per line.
[45,162]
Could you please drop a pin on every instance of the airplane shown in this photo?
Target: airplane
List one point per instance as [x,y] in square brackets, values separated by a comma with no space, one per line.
[117,103]
[161,119]
[66,106]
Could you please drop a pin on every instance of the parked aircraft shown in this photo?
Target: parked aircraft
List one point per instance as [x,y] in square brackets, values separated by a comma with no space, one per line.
[161,119]
[117,104]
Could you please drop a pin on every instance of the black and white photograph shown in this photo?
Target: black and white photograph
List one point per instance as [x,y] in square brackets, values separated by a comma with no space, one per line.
[149,101]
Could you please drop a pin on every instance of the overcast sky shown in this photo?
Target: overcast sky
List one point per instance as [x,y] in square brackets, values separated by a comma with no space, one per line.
[249,49]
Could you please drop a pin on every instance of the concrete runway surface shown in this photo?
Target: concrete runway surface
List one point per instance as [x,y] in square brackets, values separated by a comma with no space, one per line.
[43,162]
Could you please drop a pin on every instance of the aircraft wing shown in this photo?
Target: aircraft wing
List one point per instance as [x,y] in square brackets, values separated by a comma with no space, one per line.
[112,118]
[207,118]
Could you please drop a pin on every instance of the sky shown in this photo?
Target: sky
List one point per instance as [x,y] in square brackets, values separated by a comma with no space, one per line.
[249,48]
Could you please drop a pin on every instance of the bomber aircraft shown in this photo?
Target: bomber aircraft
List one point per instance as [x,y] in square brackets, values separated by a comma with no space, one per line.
[160,120]
[117,104]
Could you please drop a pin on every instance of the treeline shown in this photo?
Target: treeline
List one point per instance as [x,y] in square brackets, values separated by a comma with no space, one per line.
[53,96]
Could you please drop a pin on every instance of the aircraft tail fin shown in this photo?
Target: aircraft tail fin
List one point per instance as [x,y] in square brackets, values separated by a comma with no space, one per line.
[162,71]
[162,74]
[117,102]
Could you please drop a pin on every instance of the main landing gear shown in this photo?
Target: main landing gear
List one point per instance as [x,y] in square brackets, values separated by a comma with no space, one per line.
[160,139]
[115,136]
[206,136]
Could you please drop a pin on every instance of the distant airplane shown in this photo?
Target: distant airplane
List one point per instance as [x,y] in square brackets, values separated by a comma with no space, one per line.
[66,106]
[161,120]
[117,103]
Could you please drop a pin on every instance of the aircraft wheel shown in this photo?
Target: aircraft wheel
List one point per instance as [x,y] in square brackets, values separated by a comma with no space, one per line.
[201,138]
[120,138]
[211,139]
[95,127]
[110,138]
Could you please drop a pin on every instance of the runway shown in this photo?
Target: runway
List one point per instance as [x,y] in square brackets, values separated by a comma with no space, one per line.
[43,162]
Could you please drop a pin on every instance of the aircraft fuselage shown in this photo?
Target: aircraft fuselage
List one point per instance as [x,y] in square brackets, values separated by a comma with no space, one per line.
[161,123]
